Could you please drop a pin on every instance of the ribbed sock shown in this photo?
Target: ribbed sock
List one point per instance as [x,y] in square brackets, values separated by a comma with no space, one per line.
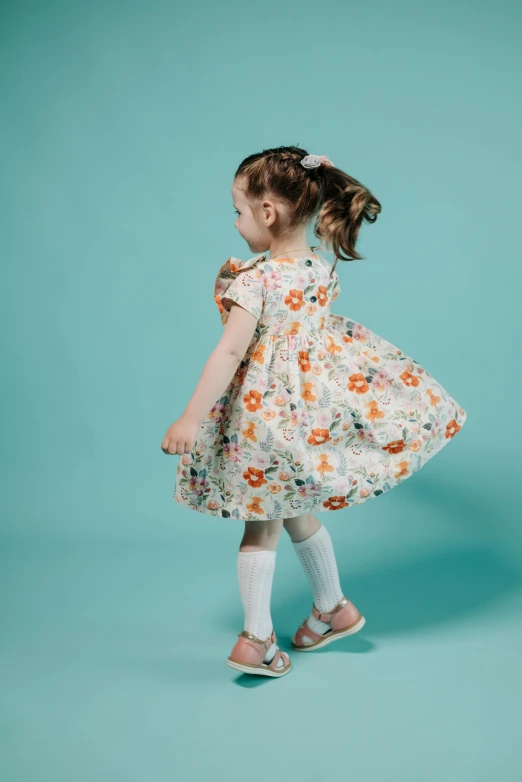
[255,570]
[317,557]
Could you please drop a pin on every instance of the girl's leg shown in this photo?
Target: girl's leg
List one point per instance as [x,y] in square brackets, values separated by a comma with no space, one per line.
[313,546]
[255,569]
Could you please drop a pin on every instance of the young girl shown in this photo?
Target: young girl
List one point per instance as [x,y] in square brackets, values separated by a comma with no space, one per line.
[299,409]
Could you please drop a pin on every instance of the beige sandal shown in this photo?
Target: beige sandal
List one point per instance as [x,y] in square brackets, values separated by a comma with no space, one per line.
[339,629]
[249,652]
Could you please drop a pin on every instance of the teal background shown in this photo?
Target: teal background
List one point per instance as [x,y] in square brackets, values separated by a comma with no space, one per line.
[122,126]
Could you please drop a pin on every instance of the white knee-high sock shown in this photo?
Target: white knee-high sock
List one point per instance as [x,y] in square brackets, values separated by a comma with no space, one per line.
[255,570]
[317,557]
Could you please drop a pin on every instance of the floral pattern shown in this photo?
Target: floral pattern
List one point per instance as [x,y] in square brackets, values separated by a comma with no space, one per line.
[321,414]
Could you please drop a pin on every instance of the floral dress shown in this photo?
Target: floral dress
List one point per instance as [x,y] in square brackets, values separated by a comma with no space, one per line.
[321,414]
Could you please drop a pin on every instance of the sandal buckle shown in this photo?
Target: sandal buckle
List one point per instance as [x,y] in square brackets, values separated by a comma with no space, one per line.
[325,616]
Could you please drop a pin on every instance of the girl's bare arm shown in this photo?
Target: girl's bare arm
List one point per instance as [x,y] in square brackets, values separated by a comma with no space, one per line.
[217,374]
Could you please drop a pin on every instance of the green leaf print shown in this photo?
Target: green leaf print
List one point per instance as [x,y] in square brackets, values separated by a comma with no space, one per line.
[343,464]
[278,511]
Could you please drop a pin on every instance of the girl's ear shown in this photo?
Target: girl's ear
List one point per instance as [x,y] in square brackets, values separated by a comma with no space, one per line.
[269,212]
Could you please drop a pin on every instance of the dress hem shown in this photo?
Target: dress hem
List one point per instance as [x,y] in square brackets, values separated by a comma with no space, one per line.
[320,507]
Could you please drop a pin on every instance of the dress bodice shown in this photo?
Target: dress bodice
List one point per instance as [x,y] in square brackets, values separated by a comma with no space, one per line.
[288,295]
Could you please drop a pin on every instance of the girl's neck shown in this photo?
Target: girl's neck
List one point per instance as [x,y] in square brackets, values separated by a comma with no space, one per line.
[288,248]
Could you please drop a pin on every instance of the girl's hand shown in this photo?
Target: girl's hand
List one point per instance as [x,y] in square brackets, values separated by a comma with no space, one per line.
[180,436]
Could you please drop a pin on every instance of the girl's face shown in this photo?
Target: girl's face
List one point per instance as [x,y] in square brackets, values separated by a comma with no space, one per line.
[256,221]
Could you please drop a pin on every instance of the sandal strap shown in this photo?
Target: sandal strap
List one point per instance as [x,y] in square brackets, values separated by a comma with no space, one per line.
[325,616]
[305,629]
[277,656]
[267,643]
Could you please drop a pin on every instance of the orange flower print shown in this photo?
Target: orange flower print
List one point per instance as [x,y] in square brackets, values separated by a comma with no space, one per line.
[241,374]
[249,431]
[373,411]
[415,445]
[375,359]
[323,465]
[401,469]
[334,503]
[217,299]
[294,327]
[255,477]
[255,506]
[252,401]
[294,300]
[322,295]
[268,414]
[304,361]
[274,488]
[358,383]
[408,379]
[308,392]
[396,446]
[331,345]
[258,354]
[319,436]
[213,504]
[434,399]
[452,428]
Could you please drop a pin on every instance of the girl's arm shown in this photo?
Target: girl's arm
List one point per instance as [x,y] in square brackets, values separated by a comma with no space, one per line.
[217,373]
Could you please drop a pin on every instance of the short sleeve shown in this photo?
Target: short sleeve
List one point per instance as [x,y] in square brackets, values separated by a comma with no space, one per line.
[247,290]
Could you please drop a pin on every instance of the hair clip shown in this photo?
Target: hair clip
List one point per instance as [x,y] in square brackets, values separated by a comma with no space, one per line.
[314,161]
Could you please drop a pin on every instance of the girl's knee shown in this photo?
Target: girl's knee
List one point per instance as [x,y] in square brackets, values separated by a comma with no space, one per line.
[301,527]
[262,534]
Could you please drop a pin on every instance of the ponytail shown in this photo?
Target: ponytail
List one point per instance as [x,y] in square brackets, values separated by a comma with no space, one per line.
[346,204]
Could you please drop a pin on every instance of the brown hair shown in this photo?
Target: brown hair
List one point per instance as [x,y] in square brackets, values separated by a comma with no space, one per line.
[340,202]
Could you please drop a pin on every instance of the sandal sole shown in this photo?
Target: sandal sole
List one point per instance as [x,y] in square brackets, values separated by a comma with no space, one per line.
[260,670]
[333,636]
